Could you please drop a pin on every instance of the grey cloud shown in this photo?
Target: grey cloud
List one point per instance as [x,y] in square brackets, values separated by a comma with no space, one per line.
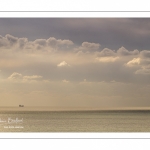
[132,33]
[95,66]
[3,42]
[10,41]
[106,52]
[53,42]
[65,42]
[145,53]
[124,52]
[40,42]
[145,62]
[11,38]
[88,45]
[16,43]
[22,42]
[144,71]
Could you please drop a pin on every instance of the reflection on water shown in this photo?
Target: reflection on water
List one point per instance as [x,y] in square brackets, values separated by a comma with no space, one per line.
[74,121]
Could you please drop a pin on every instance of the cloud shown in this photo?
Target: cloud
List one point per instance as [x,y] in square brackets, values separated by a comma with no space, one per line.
[107,59]
[63,64]
[106,53]
[65,81]
[124,52]
[3,42]
[16,43]
[113,33]
[39,57]
[91,46]
[134,62]
[54,43]
[65,42]
[34,77]
[94,49]
[143,71]
[12,42]
[22,42]
[18,77]
[145,54]
[85,80]
[15,76]
[11,38]
[40,42]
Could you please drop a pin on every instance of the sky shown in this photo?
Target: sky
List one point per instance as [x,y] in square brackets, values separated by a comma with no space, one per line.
[94,63]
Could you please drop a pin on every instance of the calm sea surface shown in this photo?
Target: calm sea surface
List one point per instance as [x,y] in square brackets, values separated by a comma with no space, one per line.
[74,121]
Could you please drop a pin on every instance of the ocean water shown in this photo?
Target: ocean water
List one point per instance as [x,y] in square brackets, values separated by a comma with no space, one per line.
[75,121]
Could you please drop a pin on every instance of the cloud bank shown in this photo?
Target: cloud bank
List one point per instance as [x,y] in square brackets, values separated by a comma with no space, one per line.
[46,56]
[72,74]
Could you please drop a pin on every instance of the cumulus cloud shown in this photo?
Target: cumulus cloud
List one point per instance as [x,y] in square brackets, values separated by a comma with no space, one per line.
[87,61]
[22,42]
[54,42]
[11,38]
[145,54]
[18,77]
[106,53]
[3,42]
[15,76]
[124,52]
[91,46]
[40,42]
[15,43]
[12,42]
[133,62]
[63,64]
[45,60]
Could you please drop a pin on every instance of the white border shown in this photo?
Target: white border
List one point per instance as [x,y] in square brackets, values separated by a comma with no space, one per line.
[72,144]
[80,135]
[74,14]
[74,5]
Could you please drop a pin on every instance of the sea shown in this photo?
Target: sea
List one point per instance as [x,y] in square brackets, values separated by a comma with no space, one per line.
[74,121]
